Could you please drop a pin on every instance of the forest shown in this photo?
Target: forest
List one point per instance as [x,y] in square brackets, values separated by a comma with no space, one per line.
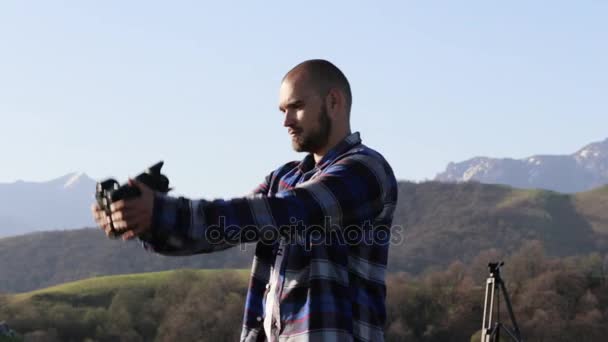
[554,299]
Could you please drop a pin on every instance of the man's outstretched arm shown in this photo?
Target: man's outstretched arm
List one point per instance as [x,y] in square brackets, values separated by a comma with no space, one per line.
[352,190]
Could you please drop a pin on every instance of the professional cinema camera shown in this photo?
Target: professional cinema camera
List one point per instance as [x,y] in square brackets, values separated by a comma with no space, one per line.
[110,191]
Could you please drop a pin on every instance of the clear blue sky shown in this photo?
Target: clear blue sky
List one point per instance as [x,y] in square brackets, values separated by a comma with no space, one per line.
[109,87]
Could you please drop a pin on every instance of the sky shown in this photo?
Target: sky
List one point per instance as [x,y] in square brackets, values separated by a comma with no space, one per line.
[111,87]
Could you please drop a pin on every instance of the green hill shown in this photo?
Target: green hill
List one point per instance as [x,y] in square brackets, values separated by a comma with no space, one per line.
[443,222]
[44,259]
[554,300]
[98,291]
[131,307]
[593,205]
[435,224]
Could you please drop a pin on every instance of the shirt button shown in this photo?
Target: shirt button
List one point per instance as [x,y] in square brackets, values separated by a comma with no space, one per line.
[267,286]
[259,318]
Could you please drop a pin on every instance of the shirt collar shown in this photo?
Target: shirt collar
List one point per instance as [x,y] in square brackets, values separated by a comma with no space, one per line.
[346,144]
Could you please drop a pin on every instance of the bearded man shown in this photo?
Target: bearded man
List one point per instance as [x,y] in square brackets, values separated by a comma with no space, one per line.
[321,225]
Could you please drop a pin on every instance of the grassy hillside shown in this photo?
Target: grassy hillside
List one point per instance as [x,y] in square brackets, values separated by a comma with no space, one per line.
[435,224]
[99,290]
[445,222]
[44,259]
[135,307]
[593,205]
[554,300]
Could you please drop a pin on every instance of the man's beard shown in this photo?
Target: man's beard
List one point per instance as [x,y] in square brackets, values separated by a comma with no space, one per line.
[314,140]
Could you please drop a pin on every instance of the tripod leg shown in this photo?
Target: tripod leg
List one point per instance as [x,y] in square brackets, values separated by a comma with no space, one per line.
[486,328]
[510,309]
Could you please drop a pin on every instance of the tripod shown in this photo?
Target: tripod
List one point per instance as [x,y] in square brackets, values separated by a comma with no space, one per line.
[490,331]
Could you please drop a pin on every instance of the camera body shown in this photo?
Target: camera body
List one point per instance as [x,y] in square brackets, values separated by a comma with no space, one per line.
[110,191]
[494,268]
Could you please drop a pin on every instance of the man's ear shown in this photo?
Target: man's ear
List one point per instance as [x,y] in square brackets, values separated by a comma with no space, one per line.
[334,101]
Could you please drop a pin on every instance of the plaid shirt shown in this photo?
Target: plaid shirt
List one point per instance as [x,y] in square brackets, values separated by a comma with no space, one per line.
[322,234]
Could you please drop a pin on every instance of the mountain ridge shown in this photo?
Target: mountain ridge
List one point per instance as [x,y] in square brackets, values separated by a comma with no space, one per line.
[583,170]
[60,203]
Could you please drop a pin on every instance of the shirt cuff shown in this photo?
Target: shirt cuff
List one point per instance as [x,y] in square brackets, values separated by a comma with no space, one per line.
[164,223]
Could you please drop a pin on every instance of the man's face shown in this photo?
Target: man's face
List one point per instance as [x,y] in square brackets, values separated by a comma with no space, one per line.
[306,116]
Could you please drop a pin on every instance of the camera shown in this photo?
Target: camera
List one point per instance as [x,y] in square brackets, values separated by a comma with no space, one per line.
[494,267]
[110,191]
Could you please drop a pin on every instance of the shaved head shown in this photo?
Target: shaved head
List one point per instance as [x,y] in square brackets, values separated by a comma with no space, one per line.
[315,99]
[322,76]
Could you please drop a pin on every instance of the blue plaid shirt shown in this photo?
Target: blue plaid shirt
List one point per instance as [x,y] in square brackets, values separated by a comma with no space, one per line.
[322,234]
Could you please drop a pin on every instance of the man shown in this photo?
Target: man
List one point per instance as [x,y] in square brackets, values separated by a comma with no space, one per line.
[321,226]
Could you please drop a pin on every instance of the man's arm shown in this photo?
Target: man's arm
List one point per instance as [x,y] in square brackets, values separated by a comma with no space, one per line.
[168,244]
[352,190]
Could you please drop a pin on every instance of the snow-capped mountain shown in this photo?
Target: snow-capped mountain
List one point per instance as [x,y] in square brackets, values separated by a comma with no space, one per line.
[580,171]
[61,203]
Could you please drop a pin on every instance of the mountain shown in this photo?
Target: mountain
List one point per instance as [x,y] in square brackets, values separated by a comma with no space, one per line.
[61,203]
[435,224]
[64,202]
[581,171]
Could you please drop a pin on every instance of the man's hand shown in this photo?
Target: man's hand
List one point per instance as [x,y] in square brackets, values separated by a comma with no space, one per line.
[101,218]
[131,217]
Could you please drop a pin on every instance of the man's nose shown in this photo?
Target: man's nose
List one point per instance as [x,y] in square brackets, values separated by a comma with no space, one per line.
[289,119]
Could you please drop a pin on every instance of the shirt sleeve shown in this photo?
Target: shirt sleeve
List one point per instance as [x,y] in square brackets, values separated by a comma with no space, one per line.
[262,188]
[351,190]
